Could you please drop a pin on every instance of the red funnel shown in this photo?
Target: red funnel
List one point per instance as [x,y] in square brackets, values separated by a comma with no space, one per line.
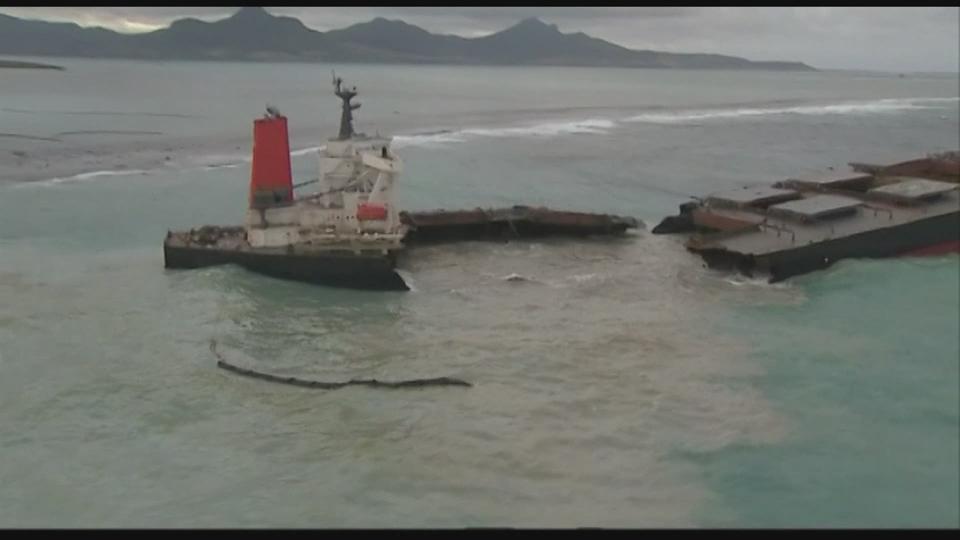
[271,180]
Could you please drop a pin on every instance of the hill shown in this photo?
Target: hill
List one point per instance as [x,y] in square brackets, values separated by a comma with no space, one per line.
[253,34]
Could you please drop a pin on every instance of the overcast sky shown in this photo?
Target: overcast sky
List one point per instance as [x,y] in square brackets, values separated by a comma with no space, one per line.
[873,38]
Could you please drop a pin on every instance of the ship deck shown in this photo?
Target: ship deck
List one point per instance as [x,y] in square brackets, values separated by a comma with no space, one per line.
[775,233]
[233,239]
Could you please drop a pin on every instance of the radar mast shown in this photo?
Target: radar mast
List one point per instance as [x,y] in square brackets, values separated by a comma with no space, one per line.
[346,116]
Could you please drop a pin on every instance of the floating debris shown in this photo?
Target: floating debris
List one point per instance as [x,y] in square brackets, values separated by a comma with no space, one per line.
[323,385]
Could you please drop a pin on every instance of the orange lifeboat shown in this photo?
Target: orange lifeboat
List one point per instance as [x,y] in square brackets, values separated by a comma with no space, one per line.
[371,212]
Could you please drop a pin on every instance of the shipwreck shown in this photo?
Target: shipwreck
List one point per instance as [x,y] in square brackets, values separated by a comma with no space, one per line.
[349,233]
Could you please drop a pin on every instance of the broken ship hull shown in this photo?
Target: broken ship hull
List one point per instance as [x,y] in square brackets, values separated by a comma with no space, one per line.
[933,236]
[801,225]
[362,269]
[372,266]
[509,223]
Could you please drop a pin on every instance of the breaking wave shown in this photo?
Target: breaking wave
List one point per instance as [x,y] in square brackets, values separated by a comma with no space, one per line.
[762,282]
[427,139]
[547,129]
[583,278]
[208,163]
[232,161]
[100,113]
[863,107]
[86,177]
[604,125]
[307,151]
[569,127]
[515,277]
[407,278]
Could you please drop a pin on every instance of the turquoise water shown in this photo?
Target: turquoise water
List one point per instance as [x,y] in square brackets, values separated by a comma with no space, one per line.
[620,384]
[866,370]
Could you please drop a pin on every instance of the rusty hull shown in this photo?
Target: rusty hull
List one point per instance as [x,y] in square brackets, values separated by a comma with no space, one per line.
[508,223]
[945,167]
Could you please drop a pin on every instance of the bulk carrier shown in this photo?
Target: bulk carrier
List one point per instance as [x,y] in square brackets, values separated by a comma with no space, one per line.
[800,225]
[350,232]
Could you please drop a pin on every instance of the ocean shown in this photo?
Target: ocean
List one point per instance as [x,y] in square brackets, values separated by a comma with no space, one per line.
[618,384]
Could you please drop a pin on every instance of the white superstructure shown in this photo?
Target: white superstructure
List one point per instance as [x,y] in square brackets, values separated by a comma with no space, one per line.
[355,200]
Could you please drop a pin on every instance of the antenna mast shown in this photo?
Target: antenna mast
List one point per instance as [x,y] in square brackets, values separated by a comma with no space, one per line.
[346,115]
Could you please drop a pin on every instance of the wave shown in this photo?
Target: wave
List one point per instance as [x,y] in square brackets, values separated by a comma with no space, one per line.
[207,163]
[656,115]
[863,107]
[307,151]
[407,278]
[546,129]
[85,177]
[100,113]
[593,125]
[109,132]
[446,136]
[583,278]
[427,139]
[739,280]
[660,115]
[220,161]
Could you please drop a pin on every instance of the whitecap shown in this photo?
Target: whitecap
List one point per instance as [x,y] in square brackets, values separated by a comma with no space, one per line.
[849,108]
[82,177]
[545,129]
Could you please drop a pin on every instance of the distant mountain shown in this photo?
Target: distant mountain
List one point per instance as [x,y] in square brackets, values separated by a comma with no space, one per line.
[254,34]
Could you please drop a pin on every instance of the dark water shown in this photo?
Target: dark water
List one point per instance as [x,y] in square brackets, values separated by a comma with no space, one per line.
[618,384]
